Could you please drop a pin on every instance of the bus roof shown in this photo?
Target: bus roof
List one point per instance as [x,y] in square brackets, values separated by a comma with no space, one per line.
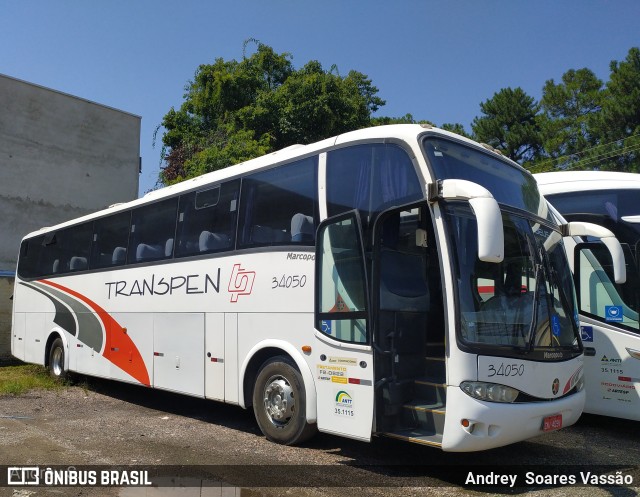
[577,181]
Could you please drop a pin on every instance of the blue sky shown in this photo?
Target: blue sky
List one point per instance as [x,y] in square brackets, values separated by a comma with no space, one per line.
[434,59]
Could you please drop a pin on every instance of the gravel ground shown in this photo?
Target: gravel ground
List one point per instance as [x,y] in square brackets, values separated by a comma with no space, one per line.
[107,423]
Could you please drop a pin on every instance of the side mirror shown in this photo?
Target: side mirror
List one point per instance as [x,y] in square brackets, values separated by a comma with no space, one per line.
[485,208]
[609,240]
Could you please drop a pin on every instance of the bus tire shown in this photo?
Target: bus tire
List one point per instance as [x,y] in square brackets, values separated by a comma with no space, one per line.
[279,402]
[56,360]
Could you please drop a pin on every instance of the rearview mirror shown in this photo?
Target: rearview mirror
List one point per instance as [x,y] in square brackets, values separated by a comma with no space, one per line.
[485,209]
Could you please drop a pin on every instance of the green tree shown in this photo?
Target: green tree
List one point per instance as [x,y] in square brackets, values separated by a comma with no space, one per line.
[207,131]
[510,124]
[312,104]
[618,123]
[456,128]
[237,110]
[568,111]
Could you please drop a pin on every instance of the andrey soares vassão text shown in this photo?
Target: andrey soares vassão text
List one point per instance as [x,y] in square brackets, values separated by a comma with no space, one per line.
[532,478]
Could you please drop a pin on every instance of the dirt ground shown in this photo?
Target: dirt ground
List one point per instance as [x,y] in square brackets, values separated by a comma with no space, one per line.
[193,447]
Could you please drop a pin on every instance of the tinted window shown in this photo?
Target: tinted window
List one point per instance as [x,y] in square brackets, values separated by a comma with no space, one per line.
[30,254]
[599,297]
[207,220]
[342,294]
[279,206]
[153,231]
[370,178]
[508,184]
[110,240]
[613,209]
[66,250]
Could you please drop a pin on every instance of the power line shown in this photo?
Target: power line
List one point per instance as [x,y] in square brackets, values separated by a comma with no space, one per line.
[607,154]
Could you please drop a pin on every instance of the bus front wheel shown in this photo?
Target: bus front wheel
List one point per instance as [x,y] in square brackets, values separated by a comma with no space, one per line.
[279,401]
[56,360]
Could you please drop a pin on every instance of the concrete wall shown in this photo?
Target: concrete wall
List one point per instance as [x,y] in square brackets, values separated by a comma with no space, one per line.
[60,157]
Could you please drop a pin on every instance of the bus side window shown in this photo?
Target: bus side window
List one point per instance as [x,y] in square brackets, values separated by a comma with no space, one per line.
[280,206]
[207,220]
[370,178]
[110,240]
[66,250]
[31,251]
[598,295]
[152,231]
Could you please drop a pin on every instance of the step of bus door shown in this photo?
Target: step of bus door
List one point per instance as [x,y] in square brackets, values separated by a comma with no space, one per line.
[430,392]
[396,394]
[426,421]
[417,435]
[428,418]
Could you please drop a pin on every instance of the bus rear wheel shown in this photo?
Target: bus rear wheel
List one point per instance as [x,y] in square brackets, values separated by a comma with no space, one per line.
[56,360]
[279,401]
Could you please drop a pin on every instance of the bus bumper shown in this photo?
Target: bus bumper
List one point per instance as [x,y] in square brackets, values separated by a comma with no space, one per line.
[493,424]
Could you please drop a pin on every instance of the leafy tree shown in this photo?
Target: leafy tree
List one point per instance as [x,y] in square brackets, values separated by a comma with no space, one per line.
[406,119]
[385,120]
[312,104]
[618,123]
[568,110]
[588,126]
[204,133]
[456,128]
[510,124]
[237,110]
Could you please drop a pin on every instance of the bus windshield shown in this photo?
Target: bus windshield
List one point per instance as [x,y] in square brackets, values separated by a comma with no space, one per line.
[509,184]
[523,305]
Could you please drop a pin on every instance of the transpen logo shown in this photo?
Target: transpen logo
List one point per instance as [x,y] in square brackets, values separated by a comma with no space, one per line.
[241,282]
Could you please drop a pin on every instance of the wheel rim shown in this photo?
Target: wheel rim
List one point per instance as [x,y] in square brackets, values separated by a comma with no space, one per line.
[57,361]
[279,401]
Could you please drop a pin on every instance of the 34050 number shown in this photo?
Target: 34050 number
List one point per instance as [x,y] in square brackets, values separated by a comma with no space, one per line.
[506,370]
[288,281]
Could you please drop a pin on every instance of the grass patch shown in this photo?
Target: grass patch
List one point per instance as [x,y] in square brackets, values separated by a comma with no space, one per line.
[16,380]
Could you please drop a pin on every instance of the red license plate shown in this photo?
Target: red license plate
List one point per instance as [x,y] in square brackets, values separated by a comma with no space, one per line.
[551,423]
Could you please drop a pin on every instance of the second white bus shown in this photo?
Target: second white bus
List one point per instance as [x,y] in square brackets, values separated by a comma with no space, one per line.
[608,311]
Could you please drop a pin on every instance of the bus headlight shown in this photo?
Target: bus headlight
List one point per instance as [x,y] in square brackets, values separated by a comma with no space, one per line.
[491,392]
[580,384]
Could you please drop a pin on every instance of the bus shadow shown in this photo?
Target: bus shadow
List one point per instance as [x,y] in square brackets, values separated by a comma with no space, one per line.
[389,463]
[534,464]
[208,411]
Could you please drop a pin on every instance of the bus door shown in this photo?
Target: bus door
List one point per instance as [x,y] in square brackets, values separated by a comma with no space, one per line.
[342,352]
[609,332]
[409,326]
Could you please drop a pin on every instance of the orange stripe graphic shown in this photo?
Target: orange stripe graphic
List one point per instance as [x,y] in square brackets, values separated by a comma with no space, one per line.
[119,349]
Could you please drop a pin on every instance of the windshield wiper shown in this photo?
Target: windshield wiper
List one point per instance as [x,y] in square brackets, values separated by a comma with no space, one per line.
[536,303]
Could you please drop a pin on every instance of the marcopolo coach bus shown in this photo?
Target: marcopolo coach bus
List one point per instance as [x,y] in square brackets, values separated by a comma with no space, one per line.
[608,310]
[398,280]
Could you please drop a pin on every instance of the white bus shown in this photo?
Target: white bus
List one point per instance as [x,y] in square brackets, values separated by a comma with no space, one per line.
[398,280]
[608,311]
